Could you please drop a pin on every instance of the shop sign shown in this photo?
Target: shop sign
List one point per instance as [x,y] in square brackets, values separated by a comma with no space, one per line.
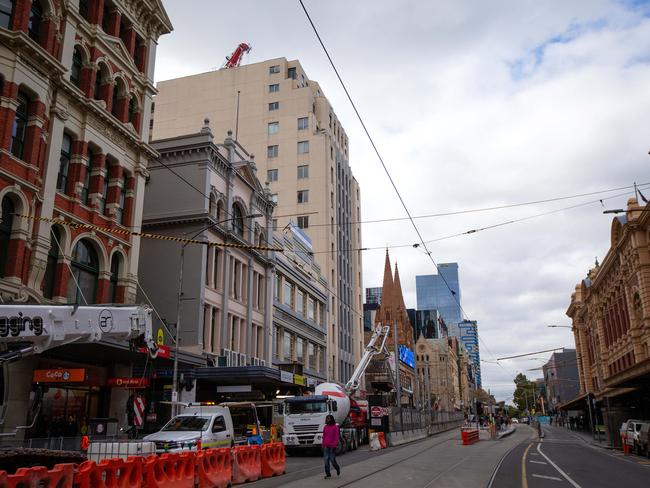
[299,379]
[286,377]
[164,352]
[128,382]
[311,382]
[59,375]
[160,337]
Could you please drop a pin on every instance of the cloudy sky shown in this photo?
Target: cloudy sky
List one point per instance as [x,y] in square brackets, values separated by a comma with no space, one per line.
[472,105]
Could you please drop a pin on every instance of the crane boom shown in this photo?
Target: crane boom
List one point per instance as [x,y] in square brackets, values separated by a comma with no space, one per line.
[37,328]
[235,58]
[379,334]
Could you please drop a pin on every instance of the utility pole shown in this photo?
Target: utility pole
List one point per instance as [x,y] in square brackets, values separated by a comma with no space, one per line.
[398,386]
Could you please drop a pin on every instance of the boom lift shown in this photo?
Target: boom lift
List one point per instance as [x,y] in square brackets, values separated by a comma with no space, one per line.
[304,416]
[234,60]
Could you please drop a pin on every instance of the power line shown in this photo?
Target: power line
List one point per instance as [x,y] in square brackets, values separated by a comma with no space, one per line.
[476,210]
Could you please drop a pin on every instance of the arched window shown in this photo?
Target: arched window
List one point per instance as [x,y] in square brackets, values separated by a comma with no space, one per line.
[133,108]
[19,130]
[237,220]
[77,65]
[52,260]
[115,275]
[220,210]
[5,232]
[212,210]
[64,163]
[6,8]
[99,81]
[85,268]
[35,19]
[118,90]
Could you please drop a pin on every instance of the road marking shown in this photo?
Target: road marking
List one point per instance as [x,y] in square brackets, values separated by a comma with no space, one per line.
[566,476]
[524,480]
[537,462]
[554,478]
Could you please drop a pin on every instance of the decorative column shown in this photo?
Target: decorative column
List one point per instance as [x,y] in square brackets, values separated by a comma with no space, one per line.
[129,37]
[16,250]
[129,202]
[96,12]
[87,79]
[34,140]
[114,20]
[122,107]
[103,287]
[114,189]
[97,176]
[77,169]
[20,16]
[8,106]
[106,94]
[48,33]
[141,56]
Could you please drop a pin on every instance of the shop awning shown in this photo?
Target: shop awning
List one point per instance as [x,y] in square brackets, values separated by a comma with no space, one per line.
[578,403]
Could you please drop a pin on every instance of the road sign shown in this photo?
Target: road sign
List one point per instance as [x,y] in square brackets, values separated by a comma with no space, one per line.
[160,337]
[376,411]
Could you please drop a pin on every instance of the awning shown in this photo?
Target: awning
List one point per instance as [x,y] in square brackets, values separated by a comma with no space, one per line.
[578,403]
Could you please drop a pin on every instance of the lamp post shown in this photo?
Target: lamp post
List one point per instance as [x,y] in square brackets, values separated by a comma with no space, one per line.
[179,308]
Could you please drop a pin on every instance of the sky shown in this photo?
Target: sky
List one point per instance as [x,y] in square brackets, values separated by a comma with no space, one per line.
[471,105]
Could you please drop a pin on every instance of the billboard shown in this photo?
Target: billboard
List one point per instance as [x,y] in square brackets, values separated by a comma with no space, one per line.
[406,356]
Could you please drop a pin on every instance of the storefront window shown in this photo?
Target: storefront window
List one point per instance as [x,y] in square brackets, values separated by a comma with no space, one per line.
[85,269]
[300,351]
[287,346]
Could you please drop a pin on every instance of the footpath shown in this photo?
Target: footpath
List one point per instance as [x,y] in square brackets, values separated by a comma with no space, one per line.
[440,461]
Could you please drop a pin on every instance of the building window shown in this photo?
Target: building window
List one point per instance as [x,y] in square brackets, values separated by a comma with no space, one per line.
[133,109]
[303,123]
[286,346]
[287,294]
[274,69]
[303,171]
[303,196]
[5,232]
[274,106]
[272,151]
[98,83]
[6,6]
[274,224]
[311,356]
[300,350]
[20,127]
[291,73]
[311,309]
[303,147]
[75,69]
[276,287]
[237,220]
[83,8]
[119,211]
[273,128]
[104,195]
[35,19]
[272,175]
[64,163]
[274,88]
[115,274]
[300,302]
[303,221]
[52,261]
[84,197]
[85,270]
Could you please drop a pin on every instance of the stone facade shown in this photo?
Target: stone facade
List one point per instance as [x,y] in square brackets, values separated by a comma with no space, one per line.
[610,310]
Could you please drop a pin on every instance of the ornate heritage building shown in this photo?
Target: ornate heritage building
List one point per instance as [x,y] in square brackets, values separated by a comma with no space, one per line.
[610,310]
[76,84]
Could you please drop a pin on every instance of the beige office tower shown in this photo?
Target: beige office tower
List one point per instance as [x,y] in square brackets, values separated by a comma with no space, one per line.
[301,149]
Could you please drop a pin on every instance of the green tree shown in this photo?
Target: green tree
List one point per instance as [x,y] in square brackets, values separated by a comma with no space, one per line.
[524,397]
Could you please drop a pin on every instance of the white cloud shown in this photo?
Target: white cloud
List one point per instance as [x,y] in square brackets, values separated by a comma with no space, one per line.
[459,128]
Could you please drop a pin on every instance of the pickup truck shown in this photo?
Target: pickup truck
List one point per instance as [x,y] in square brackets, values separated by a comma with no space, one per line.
[210,426]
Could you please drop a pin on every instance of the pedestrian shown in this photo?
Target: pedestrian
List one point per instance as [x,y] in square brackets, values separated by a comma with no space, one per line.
[330,441]
[539,430]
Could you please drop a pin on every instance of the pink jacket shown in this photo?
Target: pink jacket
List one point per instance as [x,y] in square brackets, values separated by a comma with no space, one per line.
[330,435]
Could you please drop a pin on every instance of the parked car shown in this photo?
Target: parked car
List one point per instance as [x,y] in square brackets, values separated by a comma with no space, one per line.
[632,431]
[515,421]
[644,439]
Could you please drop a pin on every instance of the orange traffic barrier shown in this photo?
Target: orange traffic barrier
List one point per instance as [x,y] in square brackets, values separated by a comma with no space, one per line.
[61,476]
[382,439]
[469,436]
[175,470]
[214,468]
[246,464]
[85,443]
[110,473]
[273,459]
[3,479]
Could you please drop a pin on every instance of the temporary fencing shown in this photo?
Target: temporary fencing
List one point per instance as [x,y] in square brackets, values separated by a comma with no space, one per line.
[209,468]
[273,458]
[61,476]
[214,468]
[246,464]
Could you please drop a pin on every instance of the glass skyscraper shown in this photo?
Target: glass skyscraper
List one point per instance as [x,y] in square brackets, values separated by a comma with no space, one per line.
[441,292]
[468,335]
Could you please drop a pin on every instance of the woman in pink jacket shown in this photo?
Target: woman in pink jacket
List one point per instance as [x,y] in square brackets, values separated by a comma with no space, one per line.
[330,441]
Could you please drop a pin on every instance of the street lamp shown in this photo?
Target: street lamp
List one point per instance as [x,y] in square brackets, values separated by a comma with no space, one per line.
[622,210]
[179,308]
[561,326]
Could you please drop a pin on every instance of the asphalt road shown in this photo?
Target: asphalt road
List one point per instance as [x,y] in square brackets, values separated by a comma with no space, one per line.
[563,459]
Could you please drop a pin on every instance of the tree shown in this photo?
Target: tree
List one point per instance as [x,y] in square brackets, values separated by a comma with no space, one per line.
[524,397]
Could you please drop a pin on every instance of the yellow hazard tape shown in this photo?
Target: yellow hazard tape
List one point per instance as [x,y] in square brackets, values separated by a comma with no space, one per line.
[146,235]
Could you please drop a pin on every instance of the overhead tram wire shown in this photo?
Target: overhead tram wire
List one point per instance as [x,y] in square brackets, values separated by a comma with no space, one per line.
[376,150]
[478,210]
[480,229]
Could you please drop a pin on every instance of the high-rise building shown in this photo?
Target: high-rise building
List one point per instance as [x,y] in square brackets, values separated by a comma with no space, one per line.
[468,336]
[561,378]
[429,324]
[283,117]
[441,292]
[373,295]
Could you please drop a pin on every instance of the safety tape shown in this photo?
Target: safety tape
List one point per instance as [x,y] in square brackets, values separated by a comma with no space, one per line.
[146,235]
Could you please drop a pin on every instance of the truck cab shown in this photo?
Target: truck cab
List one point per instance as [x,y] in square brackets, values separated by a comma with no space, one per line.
[304,419]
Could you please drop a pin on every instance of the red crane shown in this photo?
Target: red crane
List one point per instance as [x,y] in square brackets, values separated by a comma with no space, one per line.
[235,58]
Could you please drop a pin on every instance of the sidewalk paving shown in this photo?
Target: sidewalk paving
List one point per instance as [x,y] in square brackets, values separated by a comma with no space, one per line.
[587,437]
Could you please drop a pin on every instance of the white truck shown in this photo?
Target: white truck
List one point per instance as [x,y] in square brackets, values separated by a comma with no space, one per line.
[304,416]
[28,329]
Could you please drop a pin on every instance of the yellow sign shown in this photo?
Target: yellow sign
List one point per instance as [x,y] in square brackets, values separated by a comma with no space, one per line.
[160,338]
[299,380]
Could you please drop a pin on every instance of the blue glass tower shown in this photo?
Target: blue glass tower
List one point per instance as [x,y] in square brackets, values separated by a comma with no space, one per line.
[441,292]
[468,335]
